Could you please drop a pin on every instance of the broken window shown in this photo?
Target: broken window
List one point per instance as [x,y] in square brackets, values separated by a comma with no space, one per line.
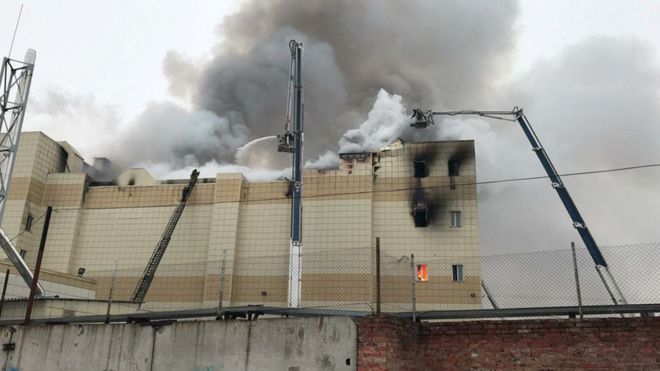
[453,167]
[420,213]
[455,218]
[457,272]
[421,170]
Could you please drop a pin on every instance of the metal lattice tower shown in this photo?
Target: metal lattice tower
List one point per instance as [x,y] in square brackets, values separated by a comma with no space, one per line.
[15,80]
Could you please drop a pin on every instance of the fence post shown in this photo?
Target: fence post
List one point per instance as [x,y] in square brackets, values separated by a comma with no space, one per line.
[414,283]
[37,265]
[577,280]
[112,287]
[221,293]
[377,274]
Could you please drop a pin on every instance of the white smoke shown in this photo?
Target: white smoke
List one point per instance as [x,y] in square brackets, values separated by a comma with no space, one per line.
[328,160]
[385,122]
[166,132]
[212,168]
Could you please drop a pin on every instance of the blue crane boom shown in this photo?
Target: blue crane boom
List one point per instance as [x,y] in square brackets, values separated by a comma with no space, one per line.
[424,119]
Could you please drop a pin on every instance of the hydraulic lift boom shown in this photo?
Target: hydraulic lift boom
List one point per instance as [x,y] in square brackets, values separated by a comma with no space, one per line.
[424,119]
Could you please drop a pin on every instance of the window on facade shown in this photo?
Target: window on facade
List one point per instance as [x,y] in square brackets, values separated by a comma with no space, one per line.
[421,170]
[455,218]
[28,222]
[457,272]
[453,167]
[22,253]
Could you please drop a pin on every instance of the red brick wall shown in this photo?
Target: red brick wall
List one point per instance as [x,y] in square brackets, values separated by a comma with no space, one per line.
[387,343]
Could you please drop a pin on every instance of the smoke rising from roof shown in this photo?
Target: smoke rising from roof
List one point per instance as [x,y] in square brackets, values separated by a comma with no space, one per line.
[385,122]
[352,51]
[595,105]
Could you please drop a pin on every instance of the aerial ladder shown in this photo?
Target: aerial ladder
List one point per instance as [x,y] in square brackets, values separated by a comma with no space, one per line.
[142,287]
[15,81]
[424,119]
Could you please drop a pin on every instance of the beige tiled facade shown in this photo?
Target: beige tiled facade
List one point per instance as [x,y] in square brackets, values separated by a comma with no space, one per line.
[246,225]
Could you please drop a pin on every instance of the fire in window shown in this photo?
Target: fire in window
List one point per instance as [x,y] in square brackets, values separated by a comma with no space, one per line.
[422,272]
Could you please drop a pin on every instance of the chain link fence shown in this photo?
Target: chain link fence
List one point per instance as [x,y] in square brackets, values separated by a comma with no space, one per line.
[352,280]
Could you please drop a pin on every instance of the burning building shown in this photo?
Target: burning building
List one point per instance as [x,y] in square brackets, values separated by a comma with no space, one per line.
[233,237]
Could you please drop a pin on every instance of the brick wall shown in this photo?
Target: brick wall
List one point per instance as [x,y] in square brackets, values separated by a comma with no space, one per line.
[387,343]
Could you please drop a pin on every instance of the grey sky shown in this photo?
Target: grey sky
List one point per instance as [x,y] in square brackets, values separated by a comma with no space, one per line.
[114,50]
[104,62]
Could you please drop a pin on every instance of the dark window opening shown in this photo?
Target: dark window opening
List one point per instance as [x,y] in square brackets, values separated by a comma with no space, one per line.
[420,213]
[457,272]
[421,170]
[453,167]
[28,223]
[22,253]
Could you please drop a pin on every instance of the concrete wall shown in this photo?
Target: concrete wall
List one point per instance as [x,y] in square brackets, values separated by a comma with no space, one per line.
[388,343]
[265,344]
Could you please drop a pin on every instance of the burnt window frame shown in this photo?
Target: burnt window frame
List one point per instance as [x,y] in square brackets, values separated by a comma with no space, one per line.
[453,165]
[420,168]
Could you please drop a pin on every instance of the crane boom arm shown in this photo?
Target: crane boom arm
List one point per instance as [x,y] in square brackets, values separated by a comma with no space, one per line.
[424,119]
[558,185]
[143,285]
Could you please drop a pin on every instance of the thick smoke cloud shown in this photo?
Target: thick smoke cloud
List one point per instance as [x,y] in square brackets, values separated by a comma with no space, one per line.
[430,53]
[595,106]
[184,137]
[352,51]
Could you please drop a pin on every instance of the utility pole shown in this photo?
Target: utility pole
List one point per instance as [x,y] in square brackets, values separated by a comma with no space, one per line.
[37,266]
